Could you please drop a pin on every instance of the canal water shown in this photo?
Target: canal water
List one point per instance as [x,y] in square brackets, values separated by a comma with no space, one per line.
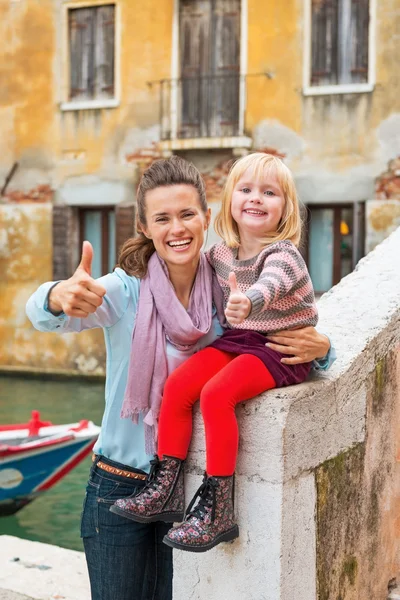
[54,517]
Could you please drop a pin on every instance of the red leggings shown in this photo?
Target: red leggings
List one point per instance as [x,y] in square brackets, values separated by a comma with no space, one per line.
[220,380]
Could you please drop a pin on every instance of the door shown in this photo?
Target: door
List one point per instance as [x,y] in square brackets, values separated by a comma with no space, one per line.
[210,68]
[334,242]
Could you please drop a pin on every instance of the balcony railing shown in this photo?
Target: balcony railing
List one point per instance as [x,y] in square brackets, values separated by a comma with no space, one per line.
[200,107]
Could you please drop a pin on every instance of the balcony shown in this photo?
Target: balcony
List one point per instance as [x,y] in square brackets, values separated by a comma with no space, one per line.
[202,112]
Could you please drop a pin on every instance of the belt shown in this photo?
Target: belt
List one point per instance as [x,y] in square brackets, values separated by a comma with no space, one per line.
[115,471]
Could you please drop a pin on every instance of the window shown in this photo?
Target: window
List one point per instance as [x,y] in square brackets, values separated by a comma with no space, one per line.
[334,242]
[105,227]
[210,68]
[97,225]
[339,42]
[91,51]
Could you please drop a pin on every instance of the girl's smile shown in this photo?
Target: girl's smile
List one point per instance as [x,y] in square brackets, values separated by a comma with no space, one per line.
[255,213]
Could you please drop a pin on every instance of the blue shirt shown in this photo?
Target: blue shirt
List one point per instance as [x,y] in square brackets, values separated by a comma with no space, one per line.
[120,440]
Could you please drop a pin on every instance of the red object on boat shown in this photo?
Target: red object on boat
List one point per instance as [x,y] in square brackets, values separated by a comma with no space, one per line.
[33,425]
[83,424]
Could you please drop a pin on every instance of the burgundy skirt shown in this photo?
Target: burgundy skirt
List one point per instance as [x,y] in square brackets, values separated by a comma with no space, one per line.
[246,341]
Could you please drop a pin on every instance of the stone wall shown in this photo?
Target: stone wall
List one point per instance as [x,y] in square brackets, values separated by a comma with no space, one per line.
[318,486]
[383,213]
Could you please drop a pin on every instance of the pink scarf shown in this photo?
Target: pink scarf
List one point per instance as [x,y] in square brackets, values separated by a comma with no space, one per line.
[160,316]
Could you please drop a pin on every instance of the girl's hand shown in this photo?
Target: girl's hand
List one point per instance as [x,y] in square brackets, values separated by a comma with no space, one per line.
[305,344]
[80,295]
[239,305]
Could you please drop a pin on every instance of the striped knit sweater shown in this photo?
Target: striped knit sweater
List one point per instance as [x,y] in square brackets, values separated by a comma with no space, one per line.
[276,281]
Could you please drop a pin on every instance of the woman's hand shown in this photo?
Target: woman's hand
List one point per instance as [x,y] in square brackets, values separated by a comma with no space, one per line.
[239,305]
[305,344]
[79,295]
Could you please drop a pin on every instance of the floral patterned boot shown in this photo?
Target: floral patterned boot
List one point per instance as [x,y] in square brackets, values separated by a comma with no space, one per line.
[162,498]
[211,521]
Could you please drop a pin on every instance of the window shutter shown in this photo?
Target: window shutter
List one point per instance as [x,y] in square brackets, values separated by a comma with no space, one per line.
[65,241]
[195,41]
[226,61]
[195,23]
[324,42]
[359,40]
[105,51]
[227,37]
[210,67]
[124,224]
[81,47]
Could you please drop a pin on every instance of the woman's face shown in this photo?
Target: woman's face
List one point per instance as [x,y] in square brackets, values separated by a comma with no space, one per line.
[176,223]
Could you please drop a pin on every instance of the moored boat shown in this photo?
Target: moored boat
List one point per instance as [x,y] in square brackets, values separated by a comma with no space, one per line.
[34,456]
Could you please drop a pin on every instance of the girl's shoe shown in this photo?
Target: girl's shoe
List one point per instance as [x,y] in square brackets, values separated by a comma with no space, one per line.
[162,498]
[211,521]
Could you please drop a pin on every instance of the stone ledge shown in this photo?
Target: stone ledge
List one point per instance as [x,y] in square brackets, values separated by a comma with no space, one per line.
[8,595]
[290,432]
[42,571]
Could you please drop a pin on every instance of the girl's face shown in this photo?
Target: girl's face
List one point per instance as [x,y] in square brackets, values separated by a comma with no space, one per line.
[257,204]
[176,223]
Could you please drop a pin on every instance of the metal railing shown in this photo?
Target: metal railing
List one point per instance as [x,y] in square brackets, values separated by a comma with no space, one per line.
[204,106]
[199,107]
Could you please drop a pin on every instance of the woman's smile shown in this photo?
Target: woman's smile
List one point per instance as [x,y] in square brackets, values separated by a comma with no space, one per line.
[180,245]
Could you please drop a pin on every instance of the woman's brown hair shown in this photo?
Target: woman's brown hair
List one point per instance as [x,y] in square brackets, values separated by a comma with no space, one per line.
[136,252]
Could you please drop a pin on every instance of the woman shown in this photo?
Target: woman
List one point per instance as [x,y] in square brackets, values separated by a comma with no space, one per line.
[127,560]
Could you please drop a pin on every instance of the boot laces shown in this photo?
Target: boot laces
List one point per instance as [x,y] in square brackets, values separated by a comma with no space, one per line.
[207,499]
[152,480]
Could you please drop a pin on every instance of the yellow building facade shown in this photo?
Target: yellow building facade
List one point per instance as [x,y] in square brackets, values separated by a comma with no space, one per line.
[92,91]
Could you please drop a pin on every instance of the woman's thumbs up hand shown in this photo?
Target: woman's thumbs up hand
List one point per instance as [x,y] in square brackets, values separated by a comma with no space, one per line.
[239,305]
[80,295]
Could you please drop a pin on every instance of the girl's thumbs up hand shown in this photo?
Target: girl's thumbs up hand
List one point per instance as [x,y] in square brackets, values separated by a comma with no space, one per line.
[239,305]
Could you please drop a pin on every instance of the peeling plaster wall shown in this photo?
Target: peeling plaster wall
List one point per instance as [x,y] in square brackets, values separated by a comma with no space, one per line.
[383,214]
[383,217]
[25,263]
[335,144]
[52,145]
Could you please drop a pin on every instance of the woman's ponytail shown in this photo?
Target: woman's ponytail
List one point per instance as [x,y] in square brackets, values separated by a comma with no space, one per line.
[135,254]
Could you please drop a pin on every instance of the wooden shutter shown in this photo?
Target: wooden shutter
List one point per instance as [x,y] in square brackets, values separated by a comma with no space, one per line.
[210,66]
[105,28]
[81,52]
[324,42]
[195,40]
[359,40]
[226,67]
[124,224]
[92,52]
[66,249]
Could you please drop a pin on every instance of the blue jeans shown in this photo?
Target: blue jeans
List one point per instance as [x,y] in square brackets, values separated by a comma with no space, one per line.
[126,560]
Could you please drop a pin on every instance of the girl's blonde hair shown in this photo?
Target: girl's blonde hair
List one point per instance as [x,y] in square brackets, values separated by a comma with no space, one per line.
[261,165]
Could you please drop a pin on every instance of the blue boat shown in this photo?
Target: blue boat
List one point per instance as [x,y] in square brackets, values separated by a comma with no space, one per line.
[34,456]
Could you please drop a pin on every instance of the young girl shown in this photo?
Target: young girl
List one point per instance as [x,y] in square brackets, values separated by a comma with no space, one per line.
[266,288]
